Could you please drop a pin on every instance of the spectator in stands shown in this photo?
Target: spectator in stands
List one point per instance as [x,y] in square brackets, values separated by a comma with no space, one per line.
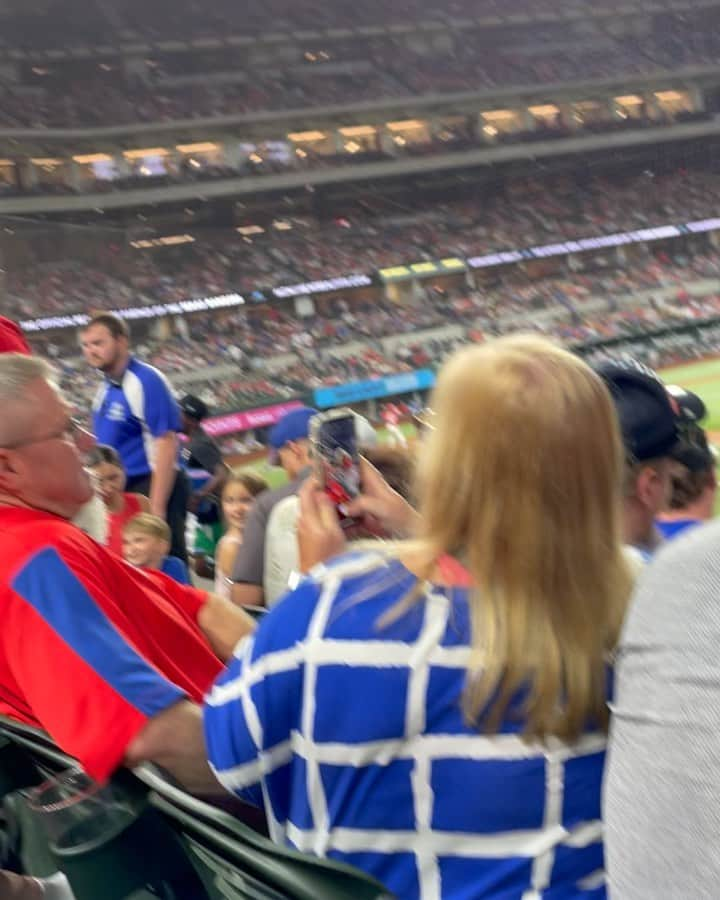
[202,456]
[289,448]
[146,544]
[110,478]
[436,712]
[207,473]
[91,517]
[240,491]
[649,423]
[694,483]
[106,659]
[281,543]
[135,412]
[661,792]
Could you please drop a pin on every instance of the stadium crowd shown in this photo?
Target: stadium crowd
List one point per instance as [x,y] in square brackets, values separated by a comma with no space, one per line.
[473,656]
[238,697]
[181,21]
[384,69]
[578,308]
[363,236]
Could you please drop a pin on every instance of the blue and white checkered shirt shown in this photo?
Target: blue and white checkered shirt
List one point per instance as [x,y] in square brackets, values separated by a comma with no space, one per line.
[352,737]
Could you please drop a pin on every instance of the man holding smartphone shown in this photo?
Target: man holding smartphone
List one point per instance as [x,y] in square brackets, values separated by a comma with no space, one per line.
[289,448]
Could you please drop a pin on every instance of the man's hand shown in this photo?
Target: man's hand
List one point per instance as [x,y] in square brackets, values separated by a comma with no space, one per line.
[174,741]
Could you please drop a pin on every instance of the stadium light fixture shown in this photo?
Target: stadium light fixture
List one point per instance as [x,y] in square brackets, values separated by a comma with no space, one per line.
[359,131]
[306,137]
[147,151]
[89,158]
[499,115]
[547,109]
[406,125]
[206,147]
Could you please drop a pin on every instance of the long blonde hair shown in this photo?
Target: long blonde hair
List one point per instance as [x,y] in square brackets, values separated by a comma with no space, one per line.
[521,477]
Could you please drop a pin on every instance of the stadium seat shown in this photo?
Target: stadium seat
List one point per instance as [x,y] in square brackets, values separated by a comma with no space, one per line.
[230,850]
[232,861]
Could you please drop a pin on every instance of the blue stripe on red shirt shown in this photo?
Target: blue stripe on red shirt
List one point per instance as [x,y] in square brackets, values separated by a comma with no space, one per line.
[96,641]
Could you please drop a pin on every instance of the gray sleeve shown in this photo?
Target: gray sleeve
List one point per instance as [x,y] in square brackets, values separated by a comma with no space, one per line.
[663,777]
[249,566]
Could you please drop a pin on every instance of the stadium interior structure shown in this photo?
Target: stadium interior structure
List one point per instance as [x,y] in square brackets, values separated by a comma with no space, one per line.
[318,203]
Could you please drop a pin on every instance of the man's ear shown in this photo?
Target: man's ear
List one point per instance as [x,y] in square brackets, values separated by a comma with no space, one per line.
[11,470]
[650,487]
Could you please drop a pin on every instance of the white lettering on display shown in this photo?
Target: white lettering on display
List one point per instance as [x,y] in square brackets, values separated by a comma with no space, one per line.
[495,259]
[322,287]
[703,225]
[506,257]
[76,321]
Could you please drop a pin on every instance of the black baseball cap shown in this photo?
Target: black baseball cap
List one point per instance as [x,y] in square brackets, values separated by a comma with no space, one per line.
[649,417]
[194,407]
[691,407]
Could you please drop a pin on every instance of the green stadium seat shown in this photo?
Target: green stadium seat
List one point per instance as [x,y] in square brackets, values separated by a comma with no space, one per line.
[222,843]
[197,851]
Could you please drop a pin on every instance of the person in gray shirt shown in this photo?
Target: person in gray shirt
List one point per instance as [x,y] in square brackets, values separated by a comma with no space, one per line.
[662,788]
[289,448]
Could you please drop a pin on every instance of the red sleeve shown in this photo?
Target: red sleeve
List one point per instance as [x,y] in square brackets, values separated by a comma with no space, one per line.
[187,599]
[85,682]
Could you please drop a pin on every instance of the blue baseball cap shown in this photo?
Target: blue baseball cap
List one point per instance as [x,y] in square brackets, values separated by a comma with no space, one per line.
[294,426]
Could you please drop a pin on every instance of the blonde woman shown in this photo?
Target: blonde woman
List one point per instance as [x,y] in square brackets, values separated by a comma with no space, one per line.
[436,714]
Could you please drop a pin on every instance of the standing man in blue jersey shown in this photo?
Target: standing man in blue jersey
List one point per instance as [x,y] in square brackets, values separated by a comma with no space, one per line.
[135,412]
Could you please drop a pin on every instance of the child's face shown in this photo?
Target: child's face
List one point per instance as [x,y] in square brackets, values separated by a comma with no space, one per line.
[236,503]
[144,550]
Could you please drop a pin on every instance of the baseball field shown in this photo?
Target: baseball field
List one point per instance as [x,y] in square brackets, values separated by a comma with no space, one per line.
[703,378]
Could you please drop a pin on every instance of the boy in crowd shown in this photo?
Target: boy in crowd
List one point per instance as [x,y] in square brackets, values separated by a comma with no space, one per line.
[146,545]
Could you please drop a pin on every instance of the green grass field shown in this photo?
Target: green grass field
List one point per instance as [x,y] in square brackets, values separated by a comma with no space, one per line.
[703,378]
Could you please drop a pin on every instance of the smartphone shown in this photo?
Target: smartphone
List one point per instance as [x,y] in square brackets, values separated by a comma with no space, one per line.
[336,457]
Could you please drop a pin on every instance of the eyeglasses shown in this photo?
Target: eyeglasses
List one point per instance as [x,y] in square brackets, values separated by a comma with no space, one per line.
[72,432]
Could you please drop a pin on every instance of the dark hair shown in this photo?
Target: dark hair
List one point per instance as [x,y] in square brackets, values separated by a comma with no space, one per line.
[252,483]
[396,466]
[115,325]
[103,453]
[688,487]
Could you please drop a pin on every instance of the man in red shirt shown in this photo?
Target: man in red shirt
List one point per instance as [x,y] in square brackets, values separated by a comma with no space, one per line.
[111,661]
